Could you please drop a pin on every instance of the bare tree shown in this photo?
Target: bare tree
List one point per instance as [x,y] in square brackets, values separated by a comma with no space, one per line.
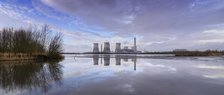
[30,41]
[55,46]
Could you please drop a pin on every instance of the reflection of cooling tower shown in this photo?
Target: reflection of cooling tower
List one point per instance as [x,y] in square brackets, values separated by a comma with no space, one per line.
[118,59]
[118,48]
[106,60]
[96,59]
[106,47]
[95,48]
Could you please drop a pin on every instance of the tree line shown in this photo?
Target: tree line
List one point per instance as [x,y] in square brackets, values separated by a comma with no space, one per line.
[31,41]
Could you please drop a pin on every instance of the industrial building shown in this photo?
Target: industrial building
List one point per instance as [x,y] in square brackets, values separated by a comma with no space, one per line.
[118,49]
[126,49]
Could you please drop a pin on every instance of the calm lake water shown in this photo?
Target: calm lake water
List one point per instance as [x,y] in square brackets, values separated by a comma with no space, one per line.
[115,75]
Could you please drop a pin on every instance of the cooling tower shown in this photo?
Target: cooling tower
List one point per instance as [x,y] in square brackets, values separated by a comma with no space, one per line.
[106,47]
[95,48]
[118,48]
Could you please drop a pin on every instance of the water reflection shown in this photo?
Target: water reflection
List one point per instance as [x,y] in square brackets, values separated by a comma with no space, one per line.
[114,75]
[96,59]
[23,75]
[105,59]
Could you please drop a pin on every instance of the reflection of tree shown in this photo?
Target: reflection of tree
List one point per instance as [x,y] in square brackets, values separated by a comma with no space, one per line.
[29,75]
[55,71]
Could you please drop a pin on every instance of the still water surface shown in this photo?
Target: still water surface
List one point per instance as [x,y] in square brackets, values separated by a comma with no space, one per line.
[115,75]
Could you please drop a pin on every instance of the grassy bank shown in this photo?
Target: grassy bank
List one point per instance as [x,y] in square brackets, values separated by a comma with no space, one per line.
[30,43]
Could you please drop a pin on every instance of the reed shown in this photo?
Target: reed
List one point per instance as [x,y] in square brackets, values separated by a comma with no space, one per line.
[30,43]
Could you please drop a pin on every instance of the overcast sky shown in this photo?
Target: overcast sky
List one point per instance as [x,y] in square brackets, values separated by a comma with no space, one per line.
[158,25]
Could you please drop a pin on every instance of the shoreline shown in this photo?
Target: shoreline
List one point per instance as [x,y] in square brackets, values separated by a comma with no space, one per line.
[186,54]
[25,56]
[45,57]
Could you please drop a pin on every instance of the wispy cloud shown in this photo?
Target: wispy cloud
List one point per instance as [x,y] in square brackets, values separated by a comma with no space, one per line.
[158,25]
[22,13]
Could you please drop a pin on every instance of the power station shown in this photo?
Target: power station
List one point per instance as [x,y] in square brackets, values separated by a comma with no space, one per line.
[106,48]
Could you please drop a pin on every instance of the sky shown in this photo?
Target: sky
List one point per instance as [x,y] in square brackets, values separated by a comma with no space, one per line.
[158,25]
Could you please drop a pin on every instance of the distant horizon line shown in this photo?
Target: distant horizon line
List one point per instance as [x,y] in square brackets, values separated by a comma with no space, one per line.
[171,51]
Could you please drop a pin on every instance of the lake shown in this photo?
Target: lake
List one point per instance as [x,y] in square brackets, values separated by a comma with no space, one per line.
[114,75]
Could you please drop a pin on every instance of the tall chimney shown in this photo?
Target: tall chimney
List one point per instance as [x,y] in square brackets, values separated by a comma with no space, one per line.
[135,46]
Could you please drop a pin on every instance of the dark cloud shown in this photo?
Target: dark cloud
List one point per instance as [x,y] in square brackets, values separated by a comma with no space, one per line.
[150,19]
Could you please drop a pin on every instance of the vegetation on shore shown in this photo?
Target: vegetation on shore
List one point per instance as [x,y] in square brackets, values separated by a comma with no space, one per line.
[30,43]
[200,53]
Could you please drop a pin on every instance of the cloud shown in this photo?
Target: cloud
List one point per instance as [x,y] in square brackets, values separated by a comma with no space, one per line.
[157,24]
[131,16]
[52,13]
[211,41]
[20,14]
[13,11]
[212,36]
[215,32]
[152,21]
[206,5]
